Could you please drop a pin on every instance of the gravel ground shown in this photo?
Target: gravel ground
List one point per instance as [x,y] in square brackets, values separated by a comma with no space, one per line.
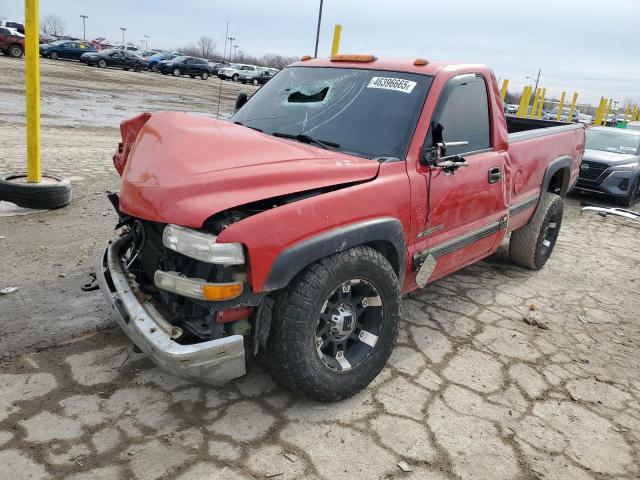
[472,390]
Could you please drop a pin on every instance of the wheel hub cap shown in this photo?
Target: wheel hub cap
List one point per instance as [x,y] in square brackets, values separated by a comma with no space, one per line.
[343,322]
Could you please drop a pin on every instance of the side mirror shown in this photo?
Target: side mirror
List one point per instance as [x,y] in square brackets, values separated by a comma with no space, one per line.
[436,156]
[241,100]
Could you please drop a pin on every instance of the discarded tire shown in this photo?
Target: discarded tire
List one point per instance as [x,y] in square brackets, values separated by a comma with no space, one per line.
[52,192]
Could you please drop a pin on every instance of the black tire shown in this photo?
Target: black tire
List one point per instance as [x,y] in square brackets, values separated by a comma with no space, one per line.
[137,68]
[531,245]
[255,82]
[55,193]
[16,51]
[176,72]
[54,55]
[204,75]
[293,356]
[235,77]
[102,63]
[154,68]
[630,199]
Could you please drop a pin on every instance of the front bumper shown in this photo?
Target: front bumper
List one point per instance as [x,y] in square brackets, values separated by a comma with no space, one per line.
[609,183]
[213,362]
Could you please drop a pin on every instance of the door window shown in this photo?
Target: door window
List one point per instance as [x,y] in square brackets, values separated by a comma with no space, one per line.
[462,115]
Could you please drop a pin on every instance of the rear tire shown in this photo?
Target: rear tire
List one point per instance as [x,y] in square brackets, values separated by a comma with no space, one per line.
[154,68]
[326,341]
[177,72]
[630,199]
[204,76]
[55,193]
[16,51]
[137,68]
[255,82]
[531,245]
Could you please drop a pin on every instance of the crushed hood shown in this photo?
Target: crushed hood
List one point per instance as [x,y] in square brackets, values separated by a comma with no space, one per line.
[183,168]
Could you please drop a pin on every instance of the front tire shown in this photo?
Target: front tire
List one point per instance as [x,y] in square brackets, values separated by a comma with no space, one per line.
[177,72]
[16,51]
[630,199]
[255,82]
[235,77]
[531,245]
[335,325]
[102,63]
[204,75]
[137,68]
[54,55]
[154,68]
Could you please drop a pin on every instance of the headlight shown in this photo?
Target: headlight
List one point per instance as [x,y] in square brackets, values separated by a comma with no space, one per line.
[625,166]
[201,246]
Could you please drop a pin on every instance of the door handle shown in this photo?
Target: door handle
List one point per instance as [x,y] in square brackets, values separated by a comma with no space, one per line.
[495,174]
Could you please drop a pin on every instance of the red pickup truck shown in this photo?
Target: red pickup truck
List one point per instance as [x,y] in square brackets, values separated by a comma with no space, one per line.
[291,231]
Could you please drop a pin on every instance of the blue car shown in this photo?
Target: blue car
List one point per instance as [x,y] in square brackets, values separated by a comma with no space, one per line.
[154,60]
[69,49]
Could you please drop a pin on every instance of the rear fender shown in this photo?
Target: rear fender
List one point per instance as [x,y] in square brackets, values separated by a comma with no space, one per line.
[562,163]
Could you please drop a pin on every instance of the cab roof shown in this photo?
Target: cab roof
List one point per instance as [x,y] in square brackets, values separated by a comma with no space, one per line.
[392,64]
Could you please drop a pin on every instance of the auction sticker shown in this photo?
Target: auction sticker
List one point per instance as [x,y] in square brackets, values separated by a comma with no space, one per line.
[388,83]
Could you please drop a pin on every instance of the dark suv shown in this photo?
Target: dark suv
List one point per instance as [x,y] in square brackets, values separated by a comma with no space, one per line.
[11,43]
[192,66]
[611,163]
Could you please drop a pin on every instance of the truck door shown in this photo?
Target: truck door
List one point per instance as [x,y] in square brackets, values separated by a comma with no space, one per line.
[466,206]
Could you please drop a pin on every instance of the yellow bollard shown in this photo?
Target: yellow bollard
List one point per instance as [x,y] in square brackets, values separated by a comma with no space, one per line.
[524,102]
[536,101]
[607,111]
[598,120]
[503,90]
[573,107]
[627,111]
[523,96]
[634,118]
[32,87]
[561,106]
[335,46]
[541,103]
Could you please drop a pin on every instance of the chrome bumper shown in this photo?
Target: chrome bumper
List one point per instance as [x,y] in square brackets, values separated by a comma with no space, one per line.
[212,362]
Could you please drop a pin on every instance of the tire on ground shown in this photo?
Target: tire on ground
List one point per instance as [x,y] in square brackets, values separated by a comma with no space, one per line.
[634,187]
[54,193]
[527,246]
[292,355]
[16,51]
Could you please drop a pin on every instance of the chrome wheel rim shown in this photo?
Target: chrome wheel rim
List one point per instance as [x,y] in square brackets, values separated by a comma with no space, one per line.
[349,325]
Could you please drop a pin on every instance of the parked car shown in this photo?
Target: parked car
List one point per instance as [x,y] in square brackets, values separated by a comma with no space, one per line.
[585,119]
[308,158]
[116,58]
[184,65]
[152,62]
[66,49]
[234,70]
[564,116]
[11,42]
[257,77]
[215,67]
[510,109]
[19,27]
[146,54]
[611,164]
[130,48]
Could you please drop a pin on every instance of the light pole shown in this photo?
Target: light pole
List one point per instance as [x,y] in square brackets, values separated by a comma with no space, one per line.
[235,52]
[84,31]
[226,37]
[231,39]
[146,42]
[318,30]
[123,30]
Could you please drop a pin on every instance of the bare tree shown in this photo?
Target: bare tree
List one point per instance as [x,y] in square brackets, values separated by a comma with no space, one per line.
[53,25]
[206,46]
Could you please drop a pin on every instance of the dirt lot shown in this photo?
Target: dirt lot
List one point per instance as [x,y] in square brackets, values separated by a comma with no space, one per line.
[472,390]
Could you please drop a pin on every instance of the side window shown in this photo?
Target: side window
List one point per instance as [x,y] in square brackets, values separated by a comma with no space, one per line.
[462,115]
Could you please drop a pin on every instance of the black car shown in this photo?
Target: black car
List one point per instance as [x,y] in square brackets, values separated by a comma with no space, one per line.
[611,164]
[115,58]
[215,66]
[192,66]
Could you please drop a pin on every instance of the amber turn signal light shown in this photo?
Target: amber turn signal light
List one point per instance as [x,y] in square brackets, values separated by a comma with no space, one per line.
[420,61]
[221,291]
[352,58]
[304,58]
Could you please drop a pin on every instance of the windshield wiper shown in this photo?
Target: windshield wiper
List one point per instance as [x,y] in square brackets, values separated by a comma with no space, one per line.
[248,126]
[303,137]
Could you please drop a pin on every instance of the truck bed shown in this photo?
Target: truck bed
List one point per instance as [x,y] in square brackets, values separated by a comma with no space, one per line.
[521,128]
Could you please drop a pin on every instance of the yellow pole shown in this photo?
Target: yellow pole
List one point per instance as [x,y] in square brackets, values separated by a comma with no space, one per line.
[607,111]
[634,118]
[573,107]
[524,101]
[541,103]
[627,111]
[534,107]
[503,90]
[561,106]
[32,87]
[335,46]
[598,120]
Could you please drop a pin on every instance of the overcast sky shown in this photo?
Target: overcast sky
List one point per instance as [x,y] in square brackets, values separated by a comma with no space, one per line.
[590,46]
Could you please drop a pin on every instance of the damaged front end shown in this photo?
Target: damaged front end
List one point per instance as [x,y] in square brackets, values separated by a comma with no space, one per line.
[182,298]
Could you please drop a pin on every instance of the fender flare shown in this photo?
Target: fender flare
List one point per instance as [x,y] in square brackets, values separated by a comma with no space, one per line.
[561,163]
[295,258]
